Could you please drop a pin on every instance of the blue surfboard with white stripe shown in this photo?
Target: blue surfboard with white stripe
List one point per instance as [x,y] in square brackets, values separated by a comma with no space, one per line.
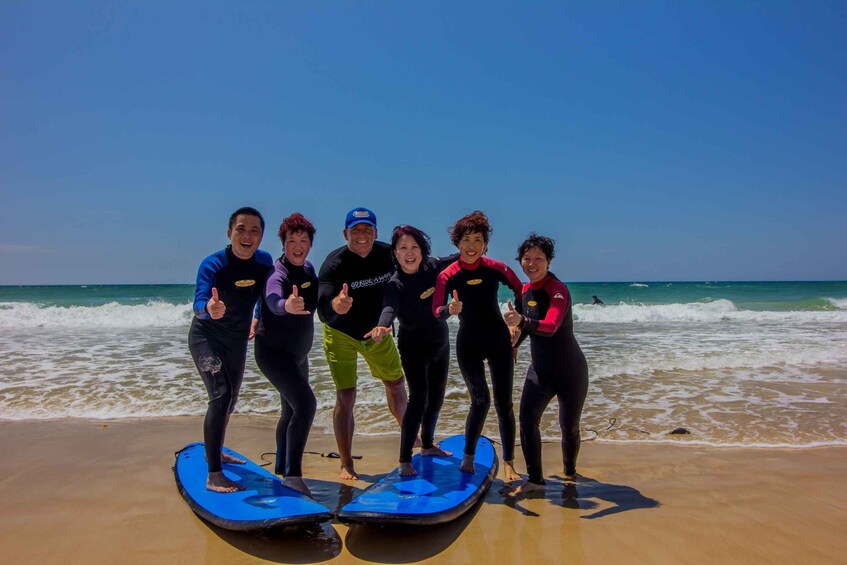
[440,492]
[263,503]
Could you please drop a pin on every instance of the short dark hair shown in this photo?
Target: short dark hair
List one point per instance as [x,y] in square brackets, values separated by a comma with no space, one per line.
[247,211]
[475,222]
[294,223]
[545,244]
[419,236]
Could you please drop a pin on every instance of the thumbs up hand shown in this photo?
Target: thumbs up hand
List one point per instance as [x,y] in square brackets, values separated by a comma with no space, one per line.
[512,317]
[455,307]
[295,304]
[215,306]
[342,303]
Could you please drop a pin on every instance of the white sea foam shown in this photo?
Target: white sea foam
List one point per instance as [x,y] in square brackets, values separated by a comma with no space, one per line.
[731,376]
[163,314]
[640,285]
[111,315]
[699,312]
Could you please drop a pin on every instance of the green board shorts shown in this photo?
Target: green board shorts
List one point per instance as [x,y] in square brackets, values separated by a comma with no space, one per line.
[341,354]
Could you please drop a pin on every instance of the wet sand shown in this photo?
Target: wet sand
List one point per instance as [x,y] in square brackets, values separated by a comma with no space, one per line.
[102,492]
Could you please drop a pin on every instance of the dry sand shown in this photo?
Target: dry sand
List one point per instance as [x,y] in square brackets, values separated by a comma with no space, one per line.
[85,491]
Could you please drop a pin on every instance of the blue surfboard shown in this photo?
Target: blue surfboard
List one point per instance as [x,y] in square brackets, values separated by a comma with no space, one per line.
[440,492]
[263,503]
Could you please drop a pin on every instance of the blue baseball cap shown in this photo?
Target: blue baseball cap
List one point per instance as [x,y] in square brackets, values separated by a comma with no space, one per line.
[359,216]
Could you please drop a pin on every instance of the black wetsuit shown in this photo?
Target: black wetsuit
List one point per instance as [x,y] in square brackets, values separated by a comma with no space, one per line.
[558,369]
[483,335]
[366,278]
[219,347]
[283,342]
[424,345]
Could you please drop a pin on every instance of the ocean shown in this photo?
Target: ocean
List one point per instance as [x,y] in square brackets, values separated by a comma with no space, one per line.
[734,363]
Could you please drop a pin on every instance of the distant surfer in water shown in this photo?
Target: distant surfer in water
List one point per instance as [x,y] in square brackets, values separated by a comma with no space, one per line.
[284,338]
[595,300]
[229,283]
[352,280]
[558,366]
[473,281]
[423,340]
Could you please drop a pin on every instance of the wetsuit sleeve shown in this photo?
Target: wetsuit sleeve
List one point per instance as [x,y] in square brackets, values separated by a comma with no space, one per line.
[439,297]
[206,277]
[513,282]
[559,298]
[273,290]
[326,289]
[390,301]
[442,263]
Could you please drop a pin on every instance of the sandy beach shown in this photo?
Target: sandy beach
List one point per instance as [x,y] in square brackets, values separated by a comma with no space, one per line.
[93,491]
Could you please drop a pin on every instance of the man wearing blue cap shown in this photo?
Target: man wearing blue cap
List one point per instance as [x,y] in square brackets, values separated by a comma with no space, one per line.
[352,279]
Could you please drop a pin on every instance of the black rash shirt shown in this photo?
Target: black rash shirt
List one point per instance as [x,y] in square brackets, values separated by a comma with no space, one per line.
[409,299]
[476,285]
[366,278]
[548,319]
[239,283]
[293,333]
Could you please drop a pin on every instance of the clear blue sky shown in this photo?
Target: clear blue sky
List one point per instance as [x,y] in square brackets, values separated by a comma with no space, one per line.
[652,140]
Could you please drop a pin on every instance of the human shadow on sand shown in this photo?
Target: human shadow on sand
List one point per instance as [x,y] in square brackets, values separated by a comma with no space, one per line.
[302,543]
[583,493]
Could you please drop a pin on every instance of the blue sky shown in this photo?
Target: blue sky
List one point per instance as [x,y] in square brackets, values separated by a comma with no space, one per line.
[652,140]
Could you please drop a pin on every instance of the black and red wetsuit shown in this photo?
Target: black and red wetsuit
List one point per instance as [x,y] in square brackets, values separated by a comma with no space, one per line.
[283,342]
[483,335]
[424,345]
[558,369]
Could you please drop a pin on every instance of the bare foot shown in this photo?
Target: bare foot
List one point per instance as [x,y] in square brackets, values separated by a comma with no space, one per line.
[528,487]
[298,484]
[406,470]
[217,482]
[227,458]
[435,451]
[509,471]
[467,465]
[572,476]
[348,473]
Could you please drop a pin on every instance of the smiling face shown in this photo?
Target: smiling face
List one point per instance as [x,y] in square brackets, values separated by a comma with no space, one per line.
[471,247]
[360,239]
[245,235]
[408,254]
[296,247]
[535,264]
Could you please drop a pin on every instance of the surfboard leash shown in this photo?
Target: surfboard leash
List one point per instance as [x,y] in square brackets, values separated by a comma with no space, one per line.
[330,455]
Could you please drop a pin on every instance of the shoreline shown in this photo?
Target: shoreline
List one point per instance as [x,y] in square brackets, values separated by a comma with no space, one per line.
[102,491]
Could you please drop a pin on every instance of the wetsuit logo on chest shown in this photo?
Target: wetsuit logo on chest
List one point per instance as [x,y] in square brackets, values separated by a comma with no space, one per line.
[245,283]
[427,293]
[306,284]
[531,303]
[474,281]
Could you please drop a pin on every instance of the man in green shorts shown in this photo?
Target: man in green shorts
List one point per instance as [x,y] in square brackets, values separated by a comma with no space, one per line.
[351,280]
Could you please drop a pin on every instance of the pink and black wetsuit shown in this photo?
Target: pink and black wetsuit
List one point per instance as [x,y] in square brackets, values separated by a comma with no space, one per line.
[483,336]
[558,369]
